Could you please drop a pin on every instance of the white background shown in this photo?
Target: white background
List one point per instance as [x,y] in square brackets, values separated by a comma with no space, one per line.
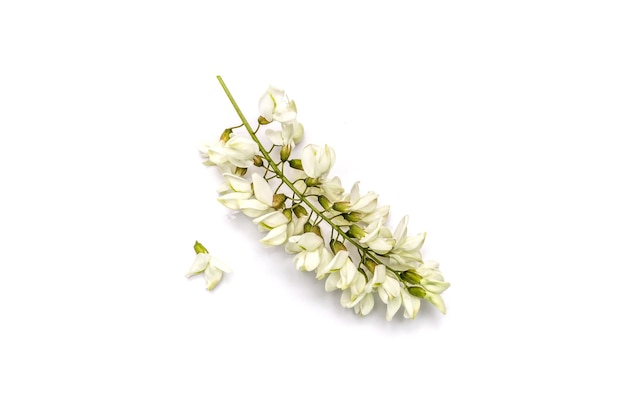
[497,126]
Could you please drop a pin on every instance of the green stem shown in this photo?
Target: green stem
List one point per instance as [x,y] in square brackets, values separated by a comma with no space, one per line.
[288,182]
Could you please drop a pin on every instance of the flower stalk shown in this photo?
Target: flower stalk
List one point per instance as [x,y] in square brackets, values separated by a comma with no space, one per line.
[390,263]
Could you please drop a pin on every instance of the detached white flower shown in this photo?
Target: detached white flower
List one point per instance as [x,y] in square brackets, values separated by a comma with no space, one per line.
[307,248]
[212,267]
[317,161]
[238,150]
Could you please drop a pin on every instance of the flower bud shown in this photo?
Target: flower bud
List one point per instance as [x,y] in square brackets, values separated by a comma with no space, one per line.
[226,135]
[417,291]
[355,232]
[240,171]
[324,202]
[278,200]
[285,152]
[352,216]
[257,160]
[296,164]
[337,246]
[370,264]
[263,121]
[411,276]
[199,248]
[299,211]
[311,182]
[307,226]
[341,206]
[288,214]
[316,230]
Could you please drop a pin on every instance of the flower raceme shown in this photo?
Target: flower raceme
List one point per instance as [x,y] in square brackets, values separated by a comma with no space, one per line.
[342,237]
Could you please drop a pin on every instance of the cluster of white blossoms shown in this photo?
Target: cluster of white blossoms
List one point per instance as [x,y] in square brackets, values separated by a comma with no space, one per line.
[339,235]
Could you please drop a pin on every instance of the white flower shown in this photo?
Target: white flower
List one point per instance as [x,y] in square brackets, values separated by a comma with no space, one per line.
[238,150]
[307,248]
[212,267]
[359,295]
[291,134]
[234,191]
[411,304]
[276,223]
[274,105]
[364,204]
[332,189]
[378,237]
[342,272]
[433,284]
[317,161]
[262,201]
[389,290]
[406,250]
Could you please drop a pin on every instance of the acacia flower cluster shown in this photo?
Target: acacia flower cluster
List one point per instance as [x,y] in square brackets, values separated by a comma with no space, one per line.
[340,235]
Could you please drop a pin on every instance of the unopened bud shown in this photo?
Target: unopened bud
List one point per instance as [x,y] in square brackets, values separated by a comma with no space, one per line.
[226,135]
[257,160]
[370,264]
[337,246]
[341,206]
[411,276]
[324,202]
[288,214]
[278,200]
[355,232]
[263,121]
[241,171]
[299,211]
[199,248]
[308,226]
[352,216]
[311,182]
[296,164]
[417,291]
[316,230]
[285,152]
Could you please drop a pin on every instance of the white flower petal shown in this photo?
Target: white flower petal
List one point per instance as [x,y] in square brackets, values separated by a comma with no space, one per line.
[199,264]
[262,190]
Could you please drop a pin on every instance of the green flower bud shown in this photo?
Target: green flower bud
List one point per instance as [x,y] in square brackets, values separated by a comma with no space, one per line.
[337,246]
[278,201]
[341,206]
[226,135]
[417,291]
[288,214]
[257,160]
[311,182]
[296,164]
[299,211]
[355,232]
[411,276]
[285,152]
[324,202]
[352,216]
[241,171]
[370,264]
[200,248]
[317,230]
[308,226]
[263,121]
